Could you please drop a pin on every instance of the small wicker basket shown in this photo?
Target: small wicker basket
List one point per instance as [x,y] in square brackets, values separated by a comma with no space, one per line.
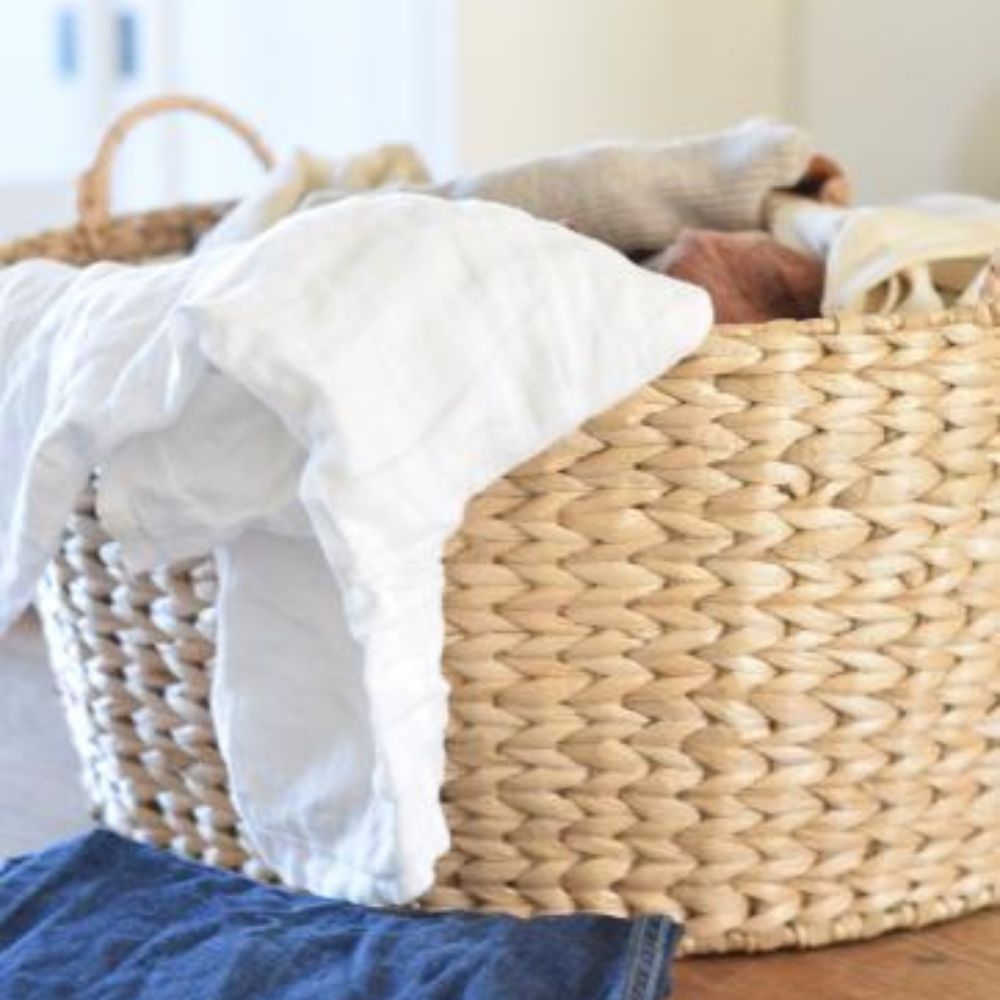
[730,652]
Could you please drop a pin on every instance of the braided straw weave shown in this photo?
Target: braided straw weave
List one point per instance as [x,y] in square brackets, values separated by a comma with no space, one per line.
[731,651]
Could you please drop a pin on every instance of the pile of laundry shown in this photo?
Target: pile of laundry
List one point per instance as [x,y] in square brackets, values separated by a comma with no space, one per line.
[752,215]
[315,394]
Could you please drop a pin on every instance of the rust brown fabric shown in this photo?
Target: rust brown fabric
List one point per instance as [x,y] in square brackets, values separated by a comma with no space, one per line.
[750,277]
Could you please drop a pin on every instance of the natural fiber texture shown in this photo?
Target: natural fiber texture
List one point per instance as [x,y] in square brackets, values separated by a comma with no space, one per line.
[94,186]
[730,652]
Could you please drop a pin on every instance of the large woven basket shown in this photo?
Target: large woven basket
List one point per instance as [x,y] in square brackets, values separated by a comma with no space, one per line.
[730,652]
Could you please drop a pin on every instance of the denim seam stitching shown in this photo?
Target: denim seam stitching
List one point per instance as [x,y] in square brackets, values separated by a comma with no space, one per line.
[645,959]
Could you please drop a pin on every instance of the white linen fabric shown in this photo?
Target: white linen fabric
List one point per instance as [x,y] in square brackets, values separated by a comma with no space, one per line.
[88,359]
[318,404]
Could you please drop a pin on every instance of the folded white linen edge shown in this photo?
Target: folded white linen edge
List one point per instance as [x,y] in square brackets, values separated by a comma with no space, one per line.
[415,349]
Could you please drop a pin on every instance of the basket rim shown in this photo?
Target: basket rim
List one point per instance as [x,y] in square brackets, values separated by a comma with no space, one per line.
[179,226]
[76,243]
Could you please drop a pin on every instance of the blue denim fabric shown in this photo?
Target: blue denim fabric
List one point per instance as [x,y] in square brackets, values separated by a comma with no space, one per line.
[103,918]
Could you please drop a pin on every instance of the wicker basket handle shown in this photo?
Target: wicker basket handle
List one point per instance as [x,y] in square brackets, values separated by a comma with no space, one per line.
[94,185]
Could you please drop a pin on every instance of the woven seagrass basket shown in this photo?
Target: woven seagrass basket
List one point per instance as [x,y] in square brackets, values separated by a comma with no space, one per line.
[730,652]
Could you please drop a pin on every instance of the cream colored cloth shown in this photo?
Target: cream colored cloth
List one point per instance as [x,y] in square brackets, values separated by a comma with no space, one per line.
[927,254]
[639,196]
[284,187]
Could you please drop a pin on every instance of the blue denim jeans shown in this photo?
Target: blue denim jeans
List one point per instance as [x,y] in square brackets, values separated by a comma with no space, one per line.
[103,918]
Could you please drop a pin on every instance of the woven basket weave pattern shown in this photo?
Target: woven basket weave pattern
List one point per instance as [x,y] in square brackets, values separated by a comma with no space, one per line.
[730,651]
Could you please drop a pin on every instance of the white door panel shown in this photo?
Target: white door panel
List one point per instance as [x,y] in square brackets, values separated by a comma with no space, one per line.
[45,112]
[331,75]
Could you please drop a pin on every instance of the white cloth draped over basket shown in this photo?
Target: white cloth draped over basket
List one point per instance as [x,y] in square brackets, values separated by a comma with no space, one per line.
[317,405]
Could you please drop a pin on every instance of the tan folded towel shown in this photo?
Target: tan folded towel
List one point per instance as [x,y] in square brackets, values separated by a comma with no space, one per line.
[638,196]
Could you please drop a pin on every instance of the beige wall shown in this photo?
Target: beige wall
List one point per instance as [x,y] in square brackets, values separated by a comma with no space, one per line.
[907,92]
[538,74]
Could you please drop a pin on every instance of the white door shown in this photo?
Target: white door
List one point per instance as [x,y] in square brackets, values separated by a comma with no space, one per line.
[46,112]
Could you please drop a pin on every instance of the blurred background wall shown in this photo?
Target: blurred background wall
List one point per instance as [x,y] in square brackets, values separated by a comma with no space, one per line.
[905,92]
[538,75]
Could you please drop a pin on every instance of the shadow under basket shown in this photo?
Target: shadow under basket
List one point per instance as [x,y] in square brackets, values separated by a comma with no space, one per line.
[730,652]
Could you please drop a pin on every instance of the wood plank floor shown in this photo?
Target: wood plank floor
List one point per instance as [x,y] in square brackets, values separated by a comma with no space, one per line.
[40,801]
[959,960]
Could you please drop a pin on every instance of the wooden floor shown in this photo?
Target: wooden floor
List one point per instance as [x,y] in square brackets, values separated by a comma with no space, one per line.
[40,801]
[959,960]
[40,796]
